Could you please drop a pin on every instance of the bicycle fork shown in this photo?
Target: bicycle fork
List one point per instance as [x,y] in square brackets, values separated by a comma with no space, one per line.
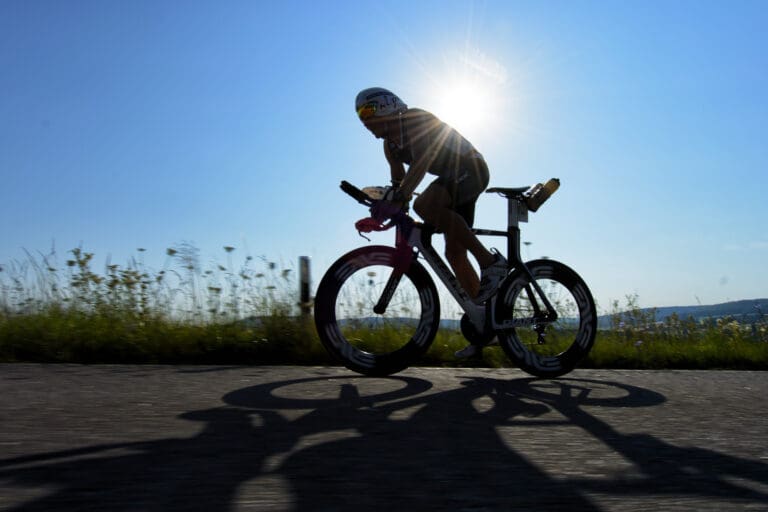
[404,256]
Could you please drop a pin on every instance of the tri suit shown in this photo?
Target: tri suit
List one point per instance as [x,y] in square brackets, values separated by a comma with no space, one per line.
[459,167]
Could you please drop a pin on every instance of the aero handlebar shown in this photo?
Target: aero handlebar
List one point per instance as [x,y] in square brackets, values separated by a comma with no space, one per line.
[360,196]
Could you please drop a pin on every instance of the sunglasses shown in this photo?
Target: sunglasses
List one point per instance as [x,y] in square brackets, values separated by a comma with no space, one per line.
[367,111]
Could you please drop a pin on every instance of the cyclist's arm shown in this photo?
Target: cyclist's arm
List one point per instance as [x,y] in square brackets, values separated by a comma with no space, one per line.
[413,177]
[396,167]
[423,151]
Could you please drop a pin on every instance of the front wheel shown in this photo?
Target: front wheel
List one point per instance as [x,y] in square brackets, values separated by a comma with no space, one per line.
[541,344]
[368,334]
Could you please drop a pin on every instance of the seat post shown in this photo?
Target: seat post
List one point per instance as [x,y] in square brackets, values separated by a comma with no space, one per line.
[517,212]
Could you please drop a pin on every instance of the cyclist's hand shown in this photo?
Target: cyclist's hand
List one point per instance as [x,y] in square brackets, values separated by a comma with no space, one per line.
[384,209]
[389,194]
[388,206]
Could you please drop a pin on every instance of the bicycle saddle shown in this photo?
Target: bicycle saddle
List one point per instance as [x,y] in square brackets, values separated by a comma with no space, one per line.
[514,192]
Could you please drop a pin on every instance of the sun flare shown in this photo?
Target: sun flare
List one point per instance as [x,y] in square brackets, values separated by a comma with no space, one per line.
[466,106]
[468,93]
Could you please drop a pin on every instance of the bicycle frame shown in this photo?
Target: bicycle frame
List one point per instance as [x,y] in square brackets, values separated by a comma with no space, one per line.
[412,235]
[420,239]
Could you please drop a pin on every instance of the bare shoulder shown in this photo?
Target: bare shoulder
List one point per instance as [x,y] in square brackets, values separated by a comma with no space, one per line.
[420,123]
[419,115]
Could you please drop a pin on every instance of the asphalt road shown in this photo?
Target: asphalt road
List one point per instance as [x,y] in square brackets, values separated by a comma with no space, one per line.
[135,438]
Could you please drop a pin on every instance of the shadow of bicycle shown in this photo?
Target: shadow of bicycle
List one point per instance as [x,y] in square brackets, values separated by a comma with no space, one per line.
[351,443]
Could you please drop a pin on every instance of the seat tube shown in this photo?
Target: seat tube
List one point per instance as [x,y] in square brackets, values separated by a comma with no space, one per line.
[516,212]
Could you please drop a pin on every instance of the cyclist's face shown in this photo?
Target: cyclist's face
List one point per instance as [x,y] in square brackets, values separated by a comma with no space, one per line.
[378,126]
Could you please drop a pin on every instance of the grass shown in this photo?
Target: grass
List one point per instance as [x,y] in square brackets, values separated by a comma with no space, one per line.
[637,340]
[184,313]
[710,345]
[180,314]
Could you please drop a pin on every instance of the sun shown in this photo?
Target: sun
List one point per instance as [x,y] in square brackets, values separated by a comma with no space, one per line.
[464,105]
[469,94]
[467,88]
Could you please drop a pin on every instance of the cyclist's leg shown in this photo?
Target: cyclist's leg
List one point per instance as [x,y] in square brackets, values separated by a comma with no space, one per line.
[456,255]
[435,206]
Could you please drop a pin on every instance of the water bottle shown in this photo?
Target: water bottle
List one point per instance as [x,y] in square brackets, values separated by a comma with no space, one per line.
[532,196]
[540,193]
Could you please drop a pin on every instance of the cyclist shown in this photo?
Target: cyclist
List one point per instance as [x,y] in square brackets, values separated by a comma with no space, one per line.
[417,138]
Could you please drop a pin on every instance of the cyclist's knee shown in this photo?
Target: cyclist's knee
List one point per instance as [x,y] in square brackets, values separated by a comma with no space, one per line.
[431,202]
[424,208]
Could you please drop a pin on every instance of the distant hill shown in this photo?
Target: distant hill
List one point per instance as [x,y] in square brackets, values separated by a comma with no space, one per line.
[742,310]
[745,311]
[738,309]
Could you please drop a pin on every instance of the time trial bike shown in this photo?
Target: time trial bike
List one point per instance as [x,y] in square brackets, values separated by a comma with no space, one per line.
[377,309]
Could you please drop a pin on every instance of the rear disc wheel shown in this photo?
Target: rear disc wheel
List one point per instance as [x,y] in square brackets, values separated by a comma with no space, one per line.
[543,346]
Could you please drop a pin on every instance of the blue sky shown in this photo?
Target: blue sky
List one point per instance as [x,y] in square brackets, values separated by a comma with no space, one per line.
[143,124]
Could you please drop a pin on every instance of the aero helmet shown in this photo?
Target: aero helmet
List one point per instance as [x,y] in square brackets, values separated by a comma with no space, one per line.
[378,102]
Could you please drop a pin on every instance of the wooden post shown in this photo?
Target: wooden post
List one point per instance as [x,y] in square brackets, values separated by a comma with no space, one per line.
[305,301]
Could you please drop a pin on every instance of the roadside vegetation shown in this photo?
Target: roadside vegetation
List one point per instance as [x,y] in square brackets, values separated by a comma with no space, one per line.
[248,314]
